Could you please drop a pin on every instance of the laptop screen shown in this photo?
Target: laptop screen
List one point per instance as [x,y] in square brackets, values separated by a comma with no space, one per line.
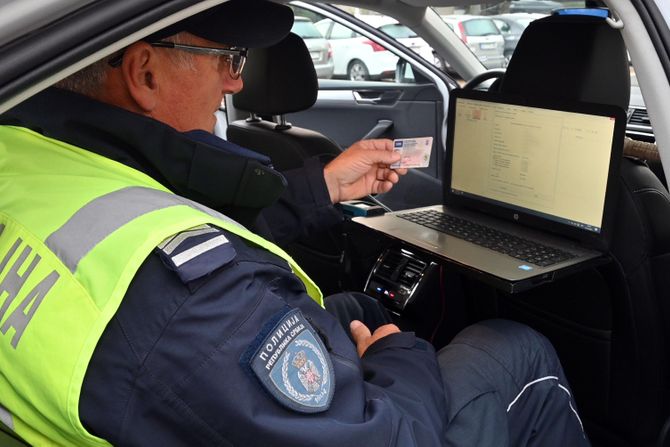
[551,163]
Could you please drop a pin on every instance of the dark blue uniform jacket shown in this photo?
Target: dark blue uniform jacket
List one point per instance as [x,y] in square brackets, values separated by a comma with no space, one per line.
[186,360]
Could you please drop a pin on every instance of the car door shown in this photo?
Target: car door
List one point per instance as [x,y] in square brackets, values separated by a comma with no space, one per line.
[405,99]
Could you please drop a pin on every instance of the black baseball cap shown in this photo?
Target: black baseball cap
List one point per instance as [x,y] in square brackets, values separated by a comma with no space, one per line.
[240,23]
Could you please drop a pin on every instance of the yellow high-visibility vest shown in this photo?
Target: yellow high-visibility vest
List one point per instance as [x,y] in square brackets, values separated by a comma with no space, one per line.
[74,229]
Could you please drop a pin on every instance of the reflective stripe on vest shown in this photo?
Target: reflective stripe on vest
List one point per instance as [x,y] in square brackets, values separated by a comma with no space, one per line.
[74,229]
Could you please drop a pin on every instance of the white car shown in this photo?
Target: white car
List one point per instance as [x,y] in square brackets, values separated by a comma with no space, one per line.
[356,58]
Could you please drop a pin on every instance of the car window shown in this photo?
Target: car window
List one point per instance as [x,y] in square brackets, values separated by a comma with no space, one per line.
[492,29]
[341,32]
[502,26]
[480,27]
[347,54]
[324,27]
[473,24]
[306,29]
[397,31]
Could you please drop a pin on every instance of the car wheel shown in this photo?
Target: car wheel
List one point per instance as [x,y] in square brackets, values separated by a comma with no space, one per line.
[357,71]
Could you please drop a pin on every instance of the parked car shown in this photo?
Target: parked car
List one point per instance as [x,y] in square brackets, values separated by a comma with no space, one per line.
[319,48]
[511,26]
[356,57]
[534,6]
[482,36]
[409,38]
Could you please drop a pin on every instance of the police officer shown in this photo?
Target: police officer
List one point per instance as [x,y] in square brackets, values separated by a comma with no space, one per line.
[156,320]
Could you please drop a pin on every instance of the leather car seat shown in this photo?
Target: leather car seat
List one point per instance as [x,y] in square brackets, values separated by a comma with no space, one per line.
[610,324]
[279,80]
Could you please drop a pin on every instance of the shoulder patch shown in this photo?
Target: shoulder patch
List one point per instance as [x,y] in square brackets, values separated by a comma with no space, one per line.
[196,252]
[293,365]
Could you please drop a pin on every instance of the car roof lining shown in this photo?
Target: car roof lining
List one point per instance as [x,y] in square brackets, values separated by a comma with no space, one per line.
[14,13]
[23,75]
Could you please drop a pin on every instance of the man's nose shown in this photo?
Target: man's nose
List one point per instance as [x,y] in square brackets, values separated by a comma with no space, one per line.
[234,85]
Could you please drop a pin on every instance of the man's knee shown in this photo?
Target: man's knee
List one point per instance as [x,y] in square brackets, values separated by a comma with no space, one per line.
[515,346]
[505,335]
[503,329]
[504,365]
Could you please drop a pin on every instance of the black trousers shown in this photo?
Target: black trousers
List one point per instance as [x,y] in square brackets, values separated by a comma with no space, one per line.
[503,383]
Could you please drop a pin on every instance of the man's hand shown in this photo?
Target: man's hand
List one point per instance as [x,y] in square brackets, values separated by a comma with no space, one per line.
[364,339]
[361,170]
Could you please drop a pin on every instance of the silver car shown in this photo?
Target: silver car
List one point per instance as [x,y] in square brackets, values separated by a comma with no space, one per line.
[511,26]
[482,37]
[319,48]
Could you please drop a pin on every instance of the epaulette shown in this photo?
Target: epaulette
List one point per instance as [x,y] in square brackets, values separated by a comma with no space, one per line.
[196,252]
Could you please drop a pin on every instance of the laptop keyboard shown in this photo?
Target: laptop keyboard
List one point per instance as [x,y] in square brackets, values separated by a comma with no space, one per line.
[502,242]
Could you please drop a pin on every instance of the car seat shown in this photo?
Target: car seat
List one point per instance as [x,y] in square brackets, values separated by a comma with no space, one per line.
[279,80]
[610,324]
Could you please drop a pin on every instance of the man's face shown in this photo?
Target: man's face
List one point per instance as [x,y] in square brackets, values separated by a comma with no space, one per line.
[189,96]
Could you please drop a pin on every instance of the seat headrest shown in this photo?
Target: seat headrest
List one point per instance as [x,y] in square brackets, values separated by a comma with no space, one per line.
[573,58]
[279,79]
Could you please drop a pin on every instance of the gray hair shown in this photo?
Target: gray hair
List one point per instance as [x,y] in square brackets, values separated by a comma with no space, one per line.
[87,81]
[90,80]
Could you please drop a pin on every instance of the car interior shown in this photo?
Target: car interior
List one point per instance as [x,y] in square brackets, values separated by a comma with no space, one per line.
[601,334]
[609,322]
[617,313]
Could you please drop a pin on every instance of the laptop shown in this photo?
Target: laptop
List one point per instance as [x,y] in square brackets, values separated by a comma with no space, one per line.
[529,189]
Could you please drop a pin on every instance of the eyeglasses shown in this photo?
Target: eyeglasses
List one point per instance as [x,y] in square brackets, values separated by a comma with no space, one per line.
[236,56]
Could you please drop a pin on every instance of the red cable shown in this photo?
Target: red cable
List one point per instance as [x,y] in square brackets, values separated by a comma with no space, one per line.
[443,301]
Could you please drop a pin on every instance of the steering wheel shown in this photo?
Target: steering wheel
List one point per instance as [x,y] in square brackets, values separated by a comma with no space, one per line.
[496,73]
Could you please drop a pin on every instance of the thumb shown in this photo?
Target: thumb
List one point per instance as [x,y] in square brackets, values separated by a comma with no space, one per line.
[359,331]
[385,157]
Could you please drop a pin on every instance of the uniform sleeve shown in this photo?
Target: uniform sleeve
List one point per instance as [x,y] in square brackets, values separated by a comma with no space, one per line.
[406,368]
[305,206]
[243,356]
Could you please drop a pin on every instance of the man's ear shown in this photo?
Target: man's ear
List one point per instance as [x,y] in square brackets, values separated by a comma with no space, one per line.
[139,68]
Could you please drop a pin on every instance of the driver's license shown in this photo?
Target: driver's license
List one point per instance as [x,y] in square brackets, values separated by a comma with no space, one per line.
[415,152]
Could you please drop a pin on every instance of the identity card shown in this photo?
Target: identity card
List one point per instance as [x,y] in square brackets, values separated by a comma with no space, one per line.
[415,152]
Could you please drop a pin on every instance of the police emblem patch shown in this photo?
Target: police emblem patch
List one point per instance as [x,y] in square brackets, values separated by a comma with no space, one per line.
[293,365]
